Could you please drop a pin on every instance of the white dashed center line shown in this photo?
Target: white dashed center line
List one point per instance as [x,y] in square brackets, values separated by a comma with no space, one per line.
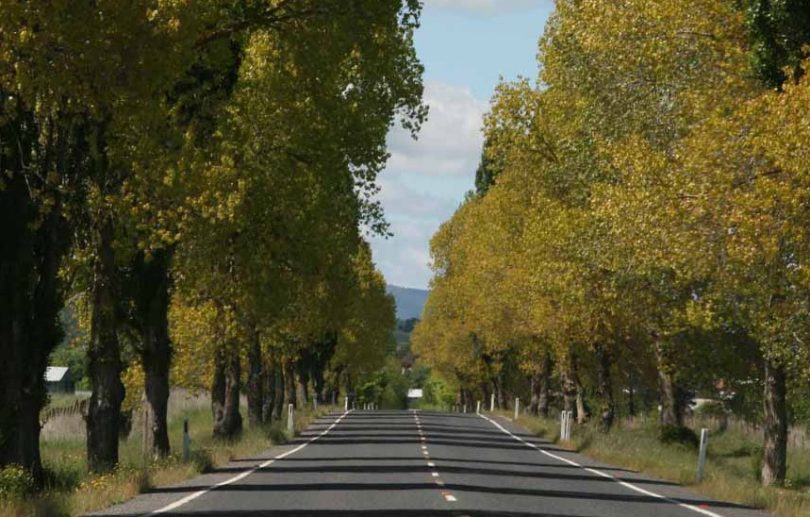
[450,498]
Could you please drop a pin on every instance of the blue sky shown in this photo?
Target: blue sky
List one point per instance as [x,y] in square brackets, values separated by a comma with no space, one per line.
[466,47]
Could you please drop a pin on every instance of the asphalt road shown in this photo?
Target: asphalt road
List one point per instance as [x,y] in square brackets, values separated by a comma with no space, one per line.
[415,463]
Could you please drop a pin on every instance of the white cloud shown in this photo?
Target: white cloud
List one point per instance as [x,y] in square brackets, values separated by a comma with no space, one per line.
[401,200]
[450,141]
[426,180]
[483,6]
[405,258]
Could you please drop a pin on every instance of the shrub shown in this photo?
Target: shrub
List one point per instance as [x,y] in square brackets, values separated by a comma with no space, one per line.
[678,435]
[277,432]
[15,482]
[202,460]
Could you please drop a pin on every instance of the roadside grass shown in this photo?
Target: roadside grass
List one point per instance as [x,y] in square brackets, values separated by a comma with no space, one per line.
[732,467]
[71,490]
[58,400]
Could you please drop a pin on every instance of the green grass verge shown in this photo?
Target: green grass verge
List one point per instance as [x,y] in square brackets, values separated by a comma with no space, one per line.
[71,490]
[732,468]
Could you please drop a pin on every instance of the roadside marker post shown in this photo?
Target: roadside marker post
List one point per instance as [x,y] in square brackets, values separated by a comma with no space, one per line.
[478,408]
[465,408]
[565,425]
[186,441]
[346,404]
[290,417]
[704,445]
[517,408]
[492,403]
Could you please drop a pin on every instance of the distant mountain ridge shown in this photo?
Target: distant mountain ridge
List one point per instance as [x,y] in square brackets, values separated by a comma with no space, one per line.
[410,302]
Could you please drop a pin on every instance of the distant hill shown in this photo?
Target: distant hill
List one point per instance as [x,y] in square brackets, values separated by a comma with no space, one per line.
[410,302]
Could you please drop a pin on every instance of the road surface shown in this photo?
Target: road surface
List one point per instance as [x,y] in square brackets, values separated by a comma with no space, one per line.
[416,463]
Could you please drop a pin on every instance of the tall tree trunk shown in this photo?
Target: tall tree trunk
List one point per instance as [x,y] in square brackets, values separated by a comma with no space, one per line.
[774,460]
[290,393]
[631,395]
[30,299]
[225,394]
[268,390]
[573,393]
[569,390]
[544,396]
[318,384]
[583,414]
[278,389]
[301,380]
[255,394]
[500,396]
[152,304]
[669,392]
[535,379]
[604,390]
[104,410]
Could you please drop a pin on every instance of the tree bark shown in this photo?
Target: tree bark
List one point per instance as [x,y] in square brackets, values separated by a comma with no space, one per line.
[573,393]
[500,398]
[268,390]
[669,392]
[278,390]
[544,397]
[30,299]
[104,410]
[535,379]
[569,390]
[255,394]
[290,393]
[604,390]
[774,457]
[153,281]
[301,380]
[225,394]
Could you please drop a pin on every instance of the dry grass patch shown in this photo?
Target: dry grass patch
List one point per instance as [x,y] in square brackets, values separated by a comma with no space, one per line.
[731,471]
[71,490]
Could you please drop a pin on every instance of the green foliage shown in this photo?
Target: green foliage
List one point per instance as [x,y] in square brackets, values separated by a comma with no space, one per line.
[15,482]
[437,393]
[779,32]
[386,387]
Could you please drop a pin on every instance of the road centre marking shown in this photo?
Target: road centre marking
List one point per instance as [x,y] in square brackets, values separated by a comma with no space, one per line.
[603,474]
[246,473]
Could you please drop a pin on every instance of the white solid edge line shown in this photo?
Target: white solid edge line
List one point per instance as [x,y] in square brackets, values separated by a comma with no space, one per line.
[603,474]
[244,474]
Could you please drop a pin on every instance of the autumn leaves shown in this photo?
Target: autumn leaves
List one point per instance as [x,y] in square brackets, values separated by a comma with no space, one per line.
[646,219]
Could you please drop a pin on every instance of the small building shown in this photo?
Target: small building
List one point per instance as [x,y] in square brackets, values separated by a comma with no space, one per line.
[59,380]
[415,393]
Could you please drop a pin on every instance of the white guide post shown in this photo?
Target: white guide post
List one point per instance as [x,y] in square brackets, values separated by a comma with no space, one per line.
[565,425]
[517,407]
[346,404]
[478,408]
[465,408]
[290,417]
[704,445]
[492,403]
